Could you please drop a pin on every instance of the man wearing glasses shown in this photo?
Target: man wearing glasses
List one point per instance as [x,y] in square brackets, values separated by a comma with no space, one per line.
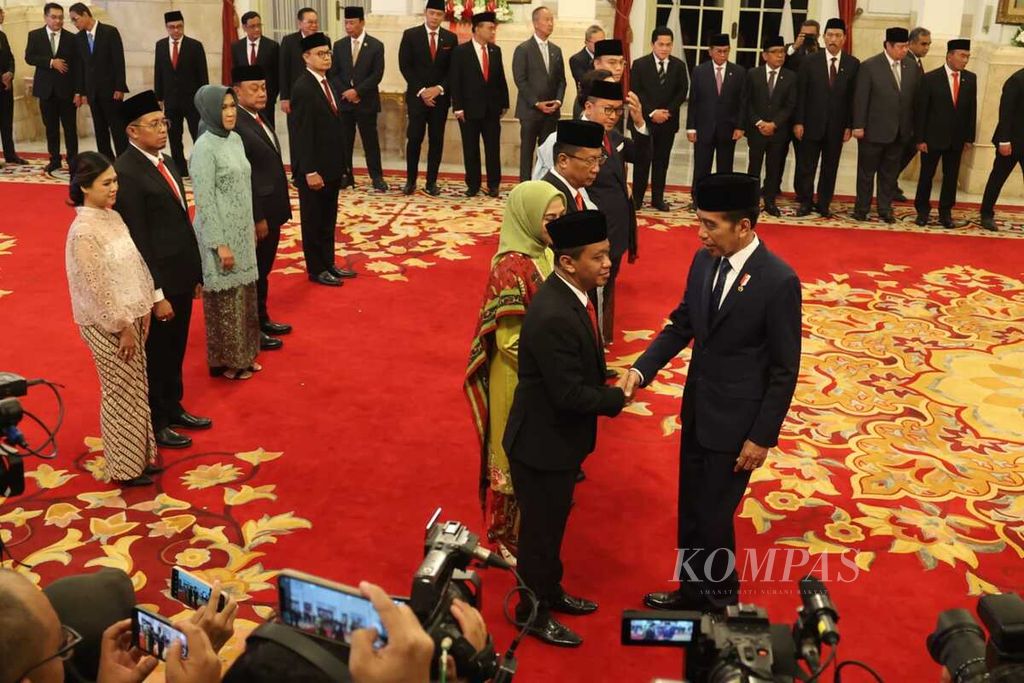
[578,157]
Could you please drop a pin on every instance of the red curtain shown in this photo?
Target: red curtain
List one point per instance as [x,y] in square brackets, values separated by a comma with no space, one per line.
[624,32]
[229,31]
[847,9]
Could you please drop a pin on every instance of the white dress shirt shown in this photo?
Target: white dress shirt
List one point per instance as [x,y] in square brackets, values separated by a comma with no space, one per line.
[587,203]
[158,295]
[249,46]
[580,294]
[437,43]
[266,130]
[949,78]
[828,62]
[170,47]
[478,49]
[56,41]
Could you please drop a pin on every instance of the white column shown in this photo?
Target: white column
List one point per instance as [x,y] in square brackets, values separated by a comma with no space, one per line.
[942,17]
[578,10]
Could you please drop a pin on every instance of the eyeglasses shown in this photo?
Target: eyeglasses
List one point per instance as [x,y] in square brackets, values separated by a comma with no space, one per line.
[69,639]
[322,54]
[591,162]
[613,111]
[154,125]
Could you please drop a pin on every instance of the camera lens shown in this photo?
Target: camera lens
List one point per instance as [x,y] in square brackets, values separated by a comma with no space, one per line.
[958,644]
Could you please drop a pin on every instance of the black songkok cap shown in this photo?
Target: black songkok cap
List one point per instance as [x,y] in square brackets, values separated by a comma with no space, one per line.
[608,48]
[578,229]
[719,40]
[435,4]
[354,13]
[247,72]
[137,106]
[173,15]
[897,34]
[835,22]
[727,192]
[769,43]
[484,16]
[315,40]
[958,44]
[606,90]
[580,133]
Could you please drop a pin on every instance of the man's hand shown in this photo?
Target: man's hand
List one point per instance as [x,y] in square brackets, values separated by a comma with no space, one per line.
[118,96]
[660,116]
[227,259]
[262,229]
[691,137]
[751,457]
[163,311]
[473,628]
[202,665]
[405,659]
[120,662]
[768,129]
[286,106]
[798,131]
[847,134]
[147,320]
[631,383]
[1005,149]
[737,134]
[219,626]
[314,182]
[967,147]
[460,115]
[636,112]
[922,147]
[79,100]
[7,79]
[351,95]
[858,133]
[59,65]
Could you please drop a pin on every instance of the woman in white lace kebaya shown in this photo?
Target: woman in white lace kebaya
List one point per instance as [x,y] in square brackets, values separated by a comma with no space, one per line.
[112,296]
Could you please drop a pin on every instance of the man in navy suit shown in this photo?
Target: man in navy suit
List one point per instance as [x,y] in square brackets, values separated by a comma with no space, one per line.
[256,49]
[103,83]
[741,310]
[713,116]
[179,70]
[770,100]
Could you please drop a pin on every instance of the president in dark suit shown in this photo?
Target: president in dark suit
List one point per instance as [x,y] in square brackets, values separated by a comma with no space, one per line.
[883,122]
[7,98]
[425,58]
[661,82]
[539,73]
[151,200]
[741,309]
[257,49]
[178,72]
[822,119]
[51,50]
[770,102]
[356,71]
[552,425]
[1008,138]
[947,112]
[479,100]
[293,66]
[583,62]
[101,54]
[271,205]
[714,115]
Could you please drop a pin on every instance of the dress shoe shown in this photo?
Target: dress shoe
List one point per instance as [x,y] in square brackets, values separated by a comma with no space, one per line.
[432,189]
[326,278]
[638,203]
[276,329]
[570,604]
[552,632]
[347,181]
[946,221]
[493,192]
[470,192]
[859,215]
[380,185]
[141,480]
[677,600]
[804,210]
[51,167]
[824,212]
[341,273]
[268,343]
[989,223]
[17,161]
[168,438]
[188,421]
[771,209]
[661,206]
[581,476]
[887,217]
[899,196]
[409,189]
[152,469]
[921,220]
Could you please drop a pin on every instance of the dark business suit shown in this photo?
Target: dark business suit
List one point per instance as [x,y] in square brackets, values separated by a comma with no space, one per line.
[945,128]
[54,90]
[176,87]
[579,64]
[775,107]
[268,56]
[794,62]
[270,201]
[886,114]
[160,226]
[552,426]
[365,76]
[102,75]
[292,66]
[536,84]
[910,149]
[823,109]
[742,374]
[568,193]
[482,103]
[1009,129]
[423,70]
[7,99]
[318,139]
[645,81]
[715,116]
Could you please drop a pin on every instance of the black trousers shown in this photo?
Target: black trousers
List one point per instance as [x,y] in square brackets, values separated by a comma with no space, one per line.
[828,150]
[544,499]
[721,152]
[318,212]
[950,174]
[293,153]
[662,138]
[175,136]
[367,124]
[60,112]
[489,128]
[271,110]
[1002,167]
[107,123]
[421,120]
[709,493]
[165,354]
[882,160]
[7,122]
[532,132]
[266,252]
[770,153]
[907,155]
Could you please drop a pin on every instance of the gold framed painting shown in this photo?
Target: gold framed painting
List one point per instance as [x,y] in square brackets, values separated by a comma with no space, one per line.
[1010,12]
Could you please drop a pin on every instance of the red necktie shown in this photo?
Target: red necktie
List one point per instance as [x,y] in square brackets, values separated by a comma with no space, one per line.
[485,62]
[174,55]
[579,200]
[330,96]
[252,53]
[607,144]
[433,45]
[592,312]
[170,180]
[956,87]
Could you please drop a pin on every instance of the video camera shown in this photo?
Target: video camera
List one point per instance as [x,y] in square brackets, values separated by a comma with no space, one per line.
[12,469]
[958,643]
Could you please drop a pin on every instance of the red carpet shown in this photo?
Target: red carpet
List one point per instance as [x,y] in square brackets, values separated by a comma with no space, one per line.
[366,431]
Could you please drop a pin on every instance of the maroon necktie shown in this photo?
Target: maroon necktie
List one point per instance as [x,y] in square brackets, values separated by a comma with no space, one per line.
[832,73]
[485,62]
[252,53]
[592,312]
[579,200]
[330,96]
[607,144]
[174,55]
[433,45]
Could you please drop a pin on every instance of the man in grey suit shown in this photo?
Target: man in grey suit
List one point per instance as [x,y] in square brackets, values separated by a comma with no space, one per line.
[539,73]
[917,49]
[883,122]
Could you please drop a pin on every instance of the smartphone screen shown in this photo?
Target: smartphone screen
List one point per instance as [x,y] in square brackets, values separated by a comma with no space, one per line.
[153,634]
[327,610]
[191,590]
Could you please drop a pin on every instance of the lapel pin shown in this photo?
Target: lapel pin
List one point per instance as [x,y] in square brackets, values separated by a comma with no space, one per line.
[743,282]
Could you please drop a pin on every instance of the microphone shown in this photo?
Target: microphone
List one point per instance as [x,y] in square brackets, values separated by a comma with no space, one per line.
[819,610]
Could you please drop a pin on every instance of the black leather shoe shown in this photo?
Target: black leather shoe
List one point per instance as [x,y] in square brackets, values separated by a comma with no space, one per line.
[887,217]
[17,161]
[989,223]
[51,167]
[432,189]
[661,206]
[676,600]
[141,480]
[188,421]
[570,604]
[771,209]
[947,222]
[804,210]
[347,181]
[152,469]
[341,273]
[268,343]
[409,189]
[326,278]
[552,632]
[470,192]
[380,185]
[493,192]
[859,215]
[581,476]
[824,211]
[921,220]
[276,329]
[168,438]
[900,197]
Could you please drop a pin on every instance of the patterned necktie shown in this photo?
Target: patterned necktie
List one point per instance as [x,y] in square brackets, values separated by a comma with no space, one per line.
[433,45]
[832,73]
[579,201]
[716,292]
[174,55]
[252,53]
[92,41]
[592,313]
[661,73]
[170,180]
[53,44]
[718,79]
[897,72]
[956,87]
[329,95]
[485,63]
[771,82]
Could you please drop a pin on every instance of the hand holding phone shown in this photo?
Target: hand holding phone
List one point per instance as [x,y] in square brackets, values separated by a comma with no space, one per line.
[119,660]
[192,591]
[202,664]
[219,625]
[153,634]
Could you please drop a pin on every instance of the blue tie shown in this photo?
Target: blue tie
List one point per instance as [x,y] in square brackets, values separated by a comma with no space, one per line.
[92,39]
